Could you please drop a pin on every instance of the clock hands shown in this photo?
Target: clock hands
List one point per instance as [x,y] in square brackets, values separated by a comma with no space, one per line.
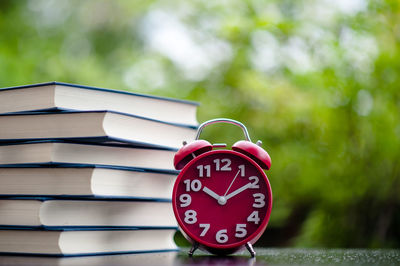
[226,192]
[211,193]
[223,199]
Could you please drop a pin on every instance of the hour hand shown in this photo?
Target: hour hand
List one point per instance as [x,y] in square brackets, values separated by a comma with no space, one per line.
[211,193]
[221,200]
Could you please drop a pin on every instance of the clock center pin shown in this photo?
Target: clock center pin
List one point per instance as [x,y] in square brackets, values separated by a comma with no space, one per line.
[222,200]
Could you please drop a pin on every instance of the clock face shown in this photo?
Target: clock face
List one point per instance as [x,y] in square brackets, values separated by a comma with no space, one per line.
[222,199]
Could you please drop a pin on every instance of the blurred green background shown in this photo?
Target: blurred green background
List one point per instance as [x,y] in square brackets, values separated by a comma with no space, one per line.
[317,81]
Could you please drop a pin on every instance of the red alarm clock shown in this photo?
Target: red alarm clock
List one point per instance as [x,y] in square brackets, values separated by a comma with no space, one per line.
[222,198]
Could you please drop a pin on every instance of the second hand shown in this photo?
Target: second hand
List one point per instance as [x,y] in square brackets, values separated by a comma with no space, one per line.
[232,182]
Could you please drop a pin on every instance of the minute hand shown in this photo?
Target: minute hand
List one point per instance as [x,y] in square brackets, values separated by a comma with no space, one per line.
[237,191]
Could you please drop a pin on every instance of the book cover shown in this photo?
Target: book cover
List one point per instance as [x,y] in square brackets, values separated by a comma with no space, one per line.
[97,126]
[152,257]
[56,96]
[85,182]
[85,242]
[78,213]
[65,153]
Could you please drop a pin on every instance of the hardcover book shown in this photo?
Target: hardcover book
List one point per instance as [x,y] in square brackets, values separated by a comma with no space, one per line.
[85,242]
[86,181]
[63,96]
[59,153]
[149,258]
[99,126]
[86,213]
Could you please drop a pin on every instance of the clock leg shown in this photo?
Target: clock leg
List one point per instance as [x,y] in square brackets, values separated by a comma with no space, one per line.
[193,248]
[250,249]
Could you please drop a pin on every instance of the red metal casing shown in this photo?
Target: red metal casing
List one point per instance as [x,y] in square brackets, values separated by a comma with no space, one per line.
[255,152]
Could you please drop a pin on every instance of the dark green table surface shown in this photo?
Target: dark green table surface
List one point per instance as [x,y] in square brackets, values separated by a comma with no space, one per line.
[265,256]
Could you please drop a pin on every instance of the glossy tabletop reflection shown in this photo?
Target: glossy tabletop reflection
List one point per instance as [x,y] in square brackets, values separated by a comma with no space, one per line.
[265,256]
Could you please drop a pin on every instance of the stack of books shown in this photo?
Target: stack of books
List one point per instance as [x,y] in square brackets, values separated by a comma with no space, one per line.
[87,171]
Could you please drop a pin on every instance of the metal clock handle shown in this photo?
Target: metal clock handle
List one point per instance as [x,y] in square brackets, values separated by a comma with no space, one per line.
[223,120]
